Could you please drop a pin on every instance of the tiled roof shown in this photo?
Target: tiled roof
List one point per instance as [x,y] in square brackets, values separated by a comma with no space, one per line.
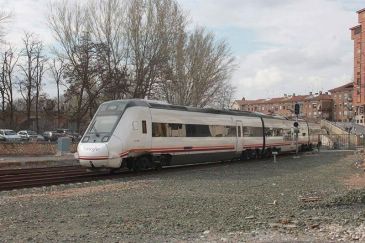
[344,87]
[287,99]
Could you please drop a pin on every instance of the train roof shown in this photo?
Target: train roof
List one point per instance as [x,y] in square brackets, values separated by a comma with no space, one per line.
[160,105]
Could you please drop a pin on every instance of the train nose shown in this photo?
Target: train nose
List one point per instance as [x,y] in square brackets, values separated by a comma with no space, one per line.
[93,155]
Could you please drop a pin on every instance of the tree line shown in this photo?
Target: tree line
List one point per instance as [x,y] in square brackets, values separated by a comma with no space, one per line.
[117,49]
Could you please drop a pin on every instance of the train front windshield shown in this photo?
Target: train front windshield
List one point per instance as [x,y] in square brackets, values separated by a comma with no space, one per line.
[104,122]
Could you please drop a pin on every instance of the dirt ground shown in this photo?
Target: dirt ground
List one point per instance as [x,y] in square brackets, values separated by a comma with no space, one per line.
[319,197]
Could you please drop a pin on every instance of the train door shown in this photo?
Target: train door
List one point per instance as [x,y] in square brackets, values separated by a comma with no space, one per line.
[239,139]
[141,130]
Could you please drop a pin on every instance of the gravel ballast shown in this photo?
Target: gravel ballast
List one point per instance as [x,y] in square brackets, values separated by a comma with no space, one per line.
[294,199]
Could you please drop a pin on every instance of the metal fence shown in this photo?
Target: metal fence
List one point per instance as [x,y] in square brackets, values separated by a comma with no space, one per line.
[341,141]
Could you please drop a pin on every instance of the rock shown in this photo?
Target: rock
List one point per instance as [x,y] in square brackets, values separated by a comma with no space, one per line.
[275,225]
[355,237]
[314,226]
[290,226]
[206,232]
[250,217]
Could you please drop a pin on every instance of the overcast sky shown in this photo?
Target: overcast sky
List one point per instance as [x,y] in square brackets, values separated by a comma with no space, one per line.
[281,46]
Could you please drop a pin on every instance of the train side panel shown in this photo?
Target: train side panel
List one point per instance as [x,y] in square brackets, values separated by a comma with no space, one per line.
[185,148]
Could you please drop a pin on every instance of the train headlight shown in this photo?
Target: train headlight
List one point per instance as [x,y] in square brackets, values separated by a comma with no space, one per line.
[105,139]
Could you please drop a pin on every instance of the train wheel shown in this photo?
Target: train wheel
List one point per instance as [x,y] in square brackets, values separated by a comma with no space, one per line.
[158,166]
[130,164]
[268,153]
[144,162]
[244,156]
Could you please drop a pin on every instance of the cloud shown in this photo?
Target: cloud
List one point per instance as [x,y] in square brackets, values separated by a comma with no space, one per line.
[285,46]
[305,45]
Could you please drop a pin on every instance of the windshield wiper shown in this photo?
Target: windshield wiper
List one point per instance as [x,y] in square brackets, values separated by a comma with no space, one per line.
[96,131]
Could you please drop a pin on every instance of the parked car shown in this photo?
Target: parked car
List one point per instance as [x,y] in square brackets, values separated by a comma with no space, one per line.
[9,135]
[64,132]
[61,132]
[50,136]
[30,135]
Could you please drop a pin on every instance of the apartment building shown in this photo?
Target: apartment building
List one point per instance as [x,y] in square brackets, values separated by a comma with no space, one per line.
[312,106]
[358,36]
[342,103]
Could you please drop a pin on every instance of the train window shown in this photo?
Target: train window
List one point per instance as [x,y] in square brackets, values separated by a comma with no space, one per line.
[159,130]
[193,130]
[231,131]
[252,131]
[276,132]
[216,131]
[144,127]
[175,130]
[239,131]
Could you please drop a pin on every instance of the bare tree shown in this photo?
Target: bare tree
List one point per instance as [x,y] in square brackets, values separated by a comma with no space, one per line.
[200,71]
[107,18]
[57,68]
[9,62]
[71,27]
[4,18]
[40,69]
[151,31]
[28,68]
[224,97]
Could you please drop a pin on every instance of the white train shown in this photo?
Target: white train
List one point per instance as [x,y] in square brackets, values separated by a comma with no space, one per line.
[140,134]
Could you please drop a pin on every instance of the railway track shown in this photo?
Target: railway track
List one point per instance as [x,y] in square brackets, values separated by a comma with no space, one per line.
[36,177]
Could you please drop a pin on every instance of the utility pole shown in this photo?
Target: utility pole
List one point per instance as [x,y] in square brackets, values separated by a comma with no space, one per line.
[296,128]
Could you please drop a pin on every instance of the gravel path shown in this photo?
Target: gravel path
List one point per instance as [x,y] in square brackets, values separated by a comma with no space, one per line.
[294,199]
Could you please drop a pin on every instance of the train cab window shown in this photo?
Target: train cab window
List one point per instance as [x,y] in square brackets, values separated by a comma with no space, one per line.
[144,127]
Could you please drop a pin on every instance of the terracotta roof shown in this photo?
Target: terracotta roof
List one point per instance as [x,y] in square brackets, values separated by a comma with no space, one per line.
[248,102]
[299,98]
[344,87]
[320,97]
[291,99]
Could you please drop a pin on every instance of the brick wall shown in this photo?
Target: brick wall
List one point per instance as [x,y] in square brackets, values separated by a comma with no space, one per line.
[30,149]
